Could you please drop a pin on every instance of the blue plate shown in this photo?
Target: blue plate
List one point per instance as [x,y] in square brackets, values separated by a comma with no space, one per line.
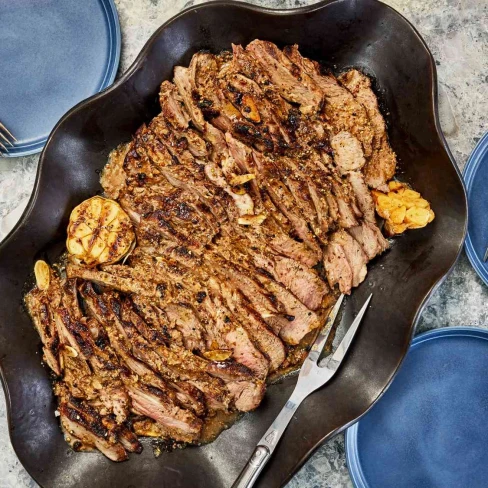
[430,429]
[53,54]
[476,179]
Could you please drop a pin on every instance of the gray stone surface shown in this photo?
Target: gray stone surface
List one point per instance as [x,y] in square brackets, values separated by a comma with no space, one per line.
[455,31]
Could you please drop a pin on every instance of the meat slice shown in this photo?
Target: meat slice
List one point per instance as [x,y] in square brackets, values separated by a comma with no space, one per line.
[245,63]
[337,267]
[179,364]
[305,192]
[155,404]
[113,179]
[261,302]
[245,352]
[125,284]
[382,164]
[83,422]
[246,398]
[228,329]
[384,244]
[184,79]
[300,89]
[346,211]
[284,218]
[370,238]
[363,195]
[187,89]
[301,320]
[39,305]
[186,321]
[182,171]
[252,253]
[223,310]
[355,256]
[157,324]
[299,251]
[303,282]
[124,434]
[268,343]
[172,108]
[176,118]
[77,375]
[348,153]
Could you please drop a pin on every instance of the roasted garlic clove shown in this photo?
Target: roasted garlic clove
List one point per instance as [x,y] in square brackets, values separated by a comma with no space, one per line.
[251,219]
[42,272]
[218,354]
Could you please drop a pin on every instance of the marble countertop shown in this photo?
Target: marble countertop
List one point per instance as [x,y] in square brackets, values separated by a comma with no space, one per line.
[455,31]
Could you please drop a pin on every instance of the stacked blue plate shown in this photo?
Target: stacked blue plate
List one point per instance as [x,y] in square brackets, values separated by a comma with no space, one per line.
[476,180]
[53,54]
[430,428]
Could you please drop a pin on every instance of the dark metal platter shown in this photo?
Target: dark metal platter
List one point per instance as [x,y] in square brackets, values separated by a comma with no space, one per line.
[343,33]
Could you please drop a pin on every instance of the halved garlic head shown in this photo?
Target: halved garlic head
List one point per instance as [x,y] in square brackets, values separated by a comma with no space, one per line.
[99,232]
[42,273]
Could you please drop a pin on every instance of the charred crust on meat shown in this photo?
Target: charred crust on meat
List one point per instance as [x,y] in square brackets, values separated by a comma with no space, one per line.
[161,288]
[201,295]
[247,130]
[293,119]
[182,143]
[77,446]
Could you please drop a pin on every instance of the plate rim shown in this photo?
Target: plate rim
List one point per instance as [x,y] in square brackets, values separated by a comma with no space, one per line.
[112,66]
[353,463]
[470,170]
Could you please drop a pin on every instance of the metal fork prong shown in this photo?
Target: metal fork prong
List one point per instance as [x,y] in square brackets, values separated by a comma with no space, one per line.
[7,131]
[5,139]
[485,257]
[318,345]
[341,350]
[3,147]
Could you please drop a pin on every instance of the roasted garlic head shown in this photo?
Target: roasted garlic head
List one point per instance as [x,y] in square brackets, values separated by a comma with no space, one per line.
[99,232]
[402,208]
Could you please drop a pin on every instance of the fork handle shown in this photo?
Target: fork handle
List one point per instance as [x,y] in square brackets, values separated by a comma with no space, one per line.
[267,444]
[253,468]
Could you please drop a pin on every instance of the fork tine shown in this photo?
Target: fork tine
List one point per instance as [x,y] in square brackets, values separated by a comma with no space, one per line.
[321,339]
[5,139]
[3,147]
[341,350]
[485,257]
[7,131]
